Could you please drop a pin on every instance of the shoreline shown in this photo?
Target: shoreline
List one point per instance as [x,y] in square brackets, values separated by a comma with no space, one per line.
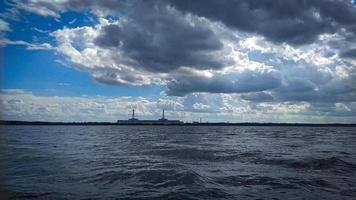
[44,123]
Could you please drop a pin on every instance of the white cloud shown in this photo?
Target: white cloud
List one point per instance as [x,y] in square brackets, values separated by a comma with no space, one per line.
[314,64]
[40,7]
[29,46]
[200,106]
[4,26]
[40,30]
[78,46]
[23,105]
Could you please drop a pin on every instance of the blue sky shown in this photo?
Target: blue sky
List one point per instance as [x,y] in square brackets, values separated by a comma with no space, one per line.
[64,57]
[40,71]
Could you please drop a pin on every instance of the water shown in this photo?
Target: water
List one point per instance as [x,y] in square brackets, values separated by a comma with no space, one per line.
[167,162]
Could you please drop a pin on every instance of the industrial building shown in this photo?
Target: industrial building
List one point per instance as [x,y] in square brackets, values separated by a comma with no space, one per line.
[136,121]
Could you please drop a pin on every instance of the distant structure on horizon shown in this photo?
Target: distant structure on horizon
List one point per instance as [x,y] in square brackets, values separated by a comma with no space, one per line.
[161,121]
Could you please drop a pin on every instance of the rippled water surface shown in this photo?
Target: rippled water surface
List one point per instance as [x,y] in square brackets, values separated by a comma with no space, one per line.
[168,162]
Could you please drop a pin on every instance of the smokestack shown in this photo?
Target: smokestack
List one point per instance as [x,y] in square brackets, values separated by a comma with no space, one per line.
[163,114]
[133,113]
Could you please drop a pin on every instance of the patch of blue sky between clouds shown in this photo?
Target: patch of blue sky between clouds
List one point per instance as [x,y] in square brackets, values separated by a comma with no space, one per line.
[41,73]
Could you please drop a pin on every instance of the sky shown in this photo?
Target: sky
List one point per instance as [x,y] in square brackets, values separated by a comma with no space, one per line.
[222,61]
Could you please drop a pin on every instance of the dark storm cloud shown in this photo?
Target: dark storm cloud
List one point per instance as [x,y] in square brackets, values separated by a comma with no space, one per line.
[158,38]
[332,91]
[257,97]
[169,36]
[238,82]
[326,94]
[351,53]
[314,96]
[294,21]
[306,87]
[299,85]
[331,109]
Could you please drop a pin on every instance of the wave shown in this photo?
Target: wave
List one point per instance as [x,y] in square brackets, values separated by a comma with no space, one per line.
[171,163]
[31,195]
[196,154]
[314,164]
[152,178]
[247,181]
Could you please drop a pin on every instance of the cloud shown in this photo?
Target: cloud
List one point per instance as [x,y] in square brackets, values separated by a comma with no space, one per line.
[351,53]
[257,96]
[50,8]
[40,30]
[295,22]
[29,46]
[333,91]
[203,103]
[106,65]
[23,105]
[236,57]
[170,104]
[4,26]
[43,8]
[132,51]
[236,82]
[191,54]
[158,38]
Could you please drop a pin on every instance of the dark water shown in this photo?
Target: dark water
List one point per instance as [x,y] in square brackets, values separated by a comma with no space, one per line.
[153,162]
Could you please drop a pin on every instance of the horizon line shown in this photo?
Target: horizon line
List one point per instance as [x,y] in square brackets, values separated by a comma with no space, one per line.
[21,122]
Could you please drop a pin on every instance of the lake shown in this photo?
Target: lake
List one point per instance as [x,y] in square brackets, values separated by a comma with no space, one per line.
[178,162]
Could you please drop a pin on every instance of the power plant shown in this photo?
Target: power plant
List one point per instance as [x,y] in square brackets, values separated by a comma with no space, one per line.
[161,121]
